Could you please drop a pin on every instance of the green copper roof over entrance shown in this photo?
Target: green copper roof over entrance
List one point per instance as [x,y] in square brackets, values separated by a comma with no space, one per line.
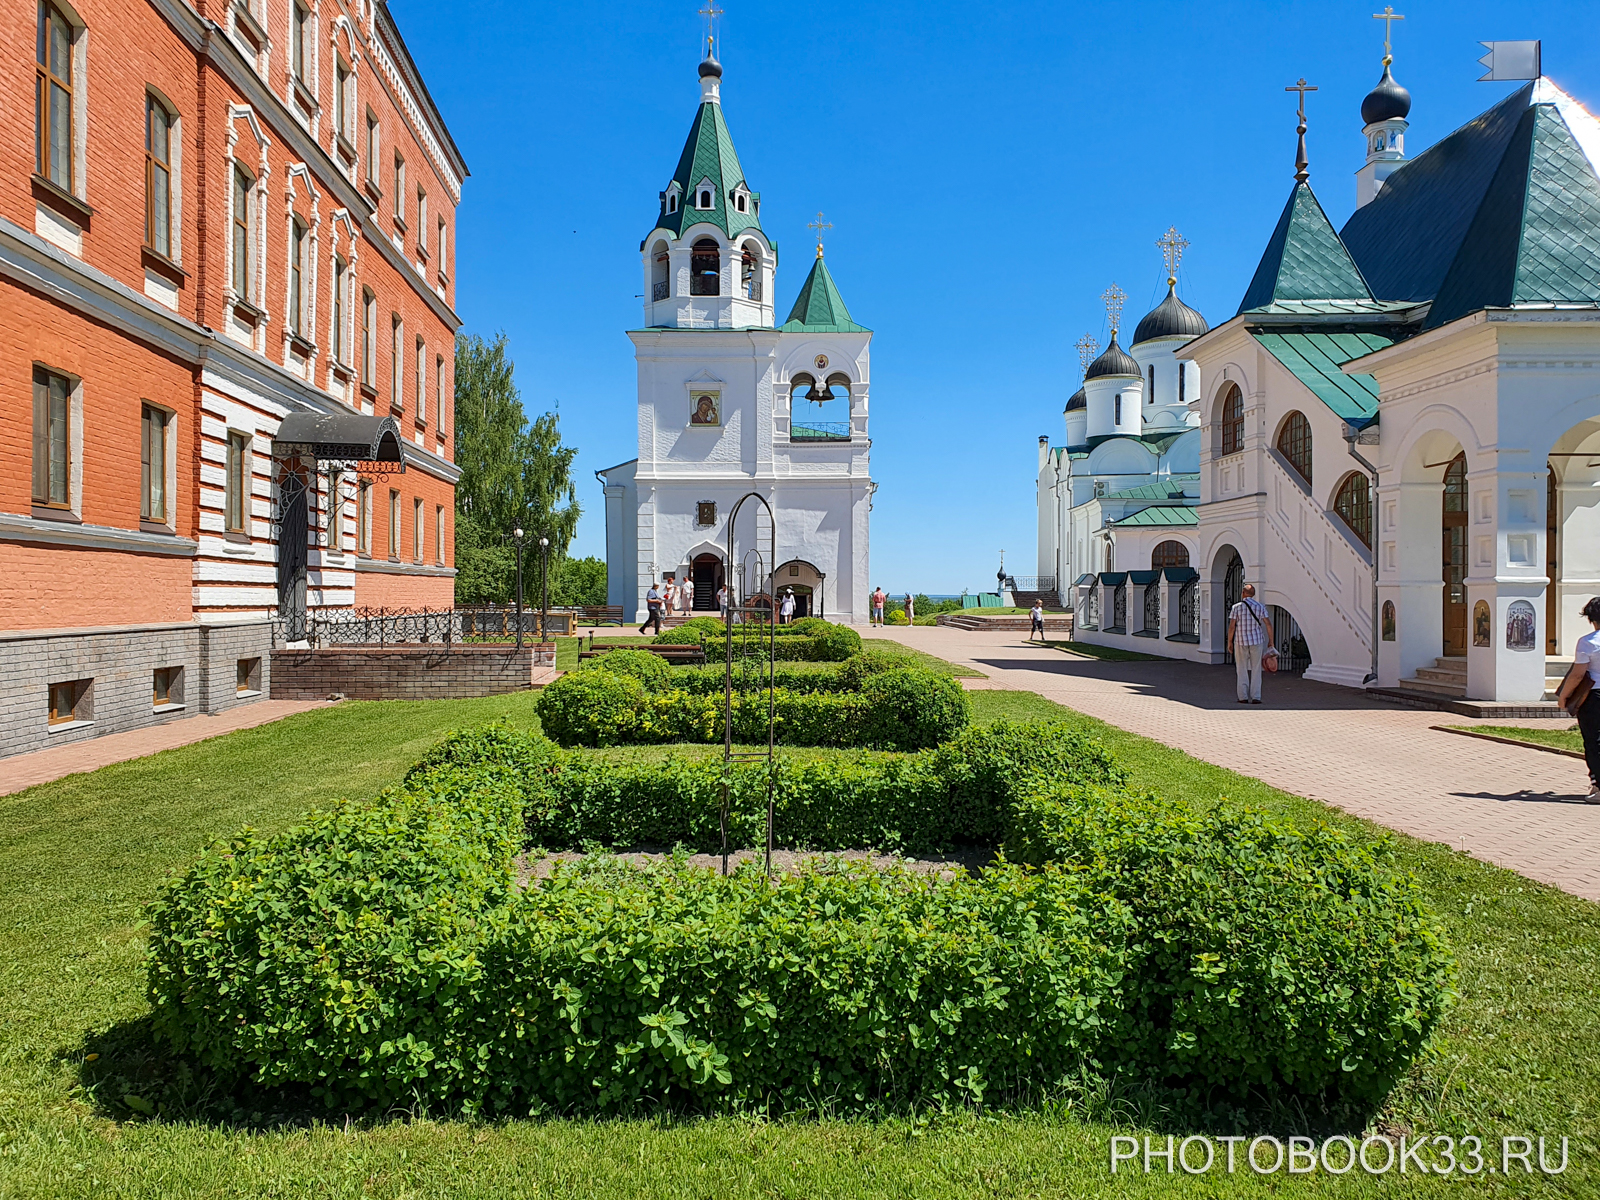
[709,155]
[1535,239]
[1304,260]
[819,307]
[1315,358]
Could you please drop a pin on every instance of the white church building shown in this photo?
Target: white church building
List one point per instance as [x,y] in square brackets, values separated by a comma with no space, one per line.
[731,402]
[1396,437]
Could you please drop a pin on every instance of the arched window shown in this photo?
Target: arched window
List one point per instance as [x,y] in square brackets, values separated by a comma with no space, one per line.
[1294,443]
[672,202]
[804,387]
[705,198]
[1455,484]
[705,268]
[1230,422]
[1353,503]
[1150,395]
[157,177]
[1169,554]
[750,270]
[659,265]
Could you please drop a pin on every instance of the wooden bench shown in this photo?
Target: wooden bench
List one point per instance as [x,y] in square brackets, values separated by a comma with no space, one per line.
[677,655]
[598,614]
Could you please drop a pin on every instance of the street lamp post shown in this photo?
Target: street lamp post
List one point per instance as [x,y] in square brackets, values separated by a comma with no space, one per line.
[544,589]
[517,540]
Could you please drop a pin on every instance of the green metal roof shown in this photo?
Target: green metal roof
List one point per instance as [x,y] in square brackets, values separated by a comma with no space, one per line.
[1315,358]
[819,308]
[1323,308]
[1161,514]
[1154,491]
[1304,259]
[709,154]
[1535,238]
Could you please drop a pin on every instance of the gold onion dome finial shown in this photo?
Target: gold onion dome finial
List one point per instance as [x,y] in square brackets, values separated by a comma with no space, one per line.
[1112,298]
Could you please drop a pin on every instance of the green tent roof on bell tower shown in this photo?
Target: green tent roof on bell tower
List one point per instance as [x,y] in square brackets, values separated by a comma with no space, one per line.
[708,154]
[819,308]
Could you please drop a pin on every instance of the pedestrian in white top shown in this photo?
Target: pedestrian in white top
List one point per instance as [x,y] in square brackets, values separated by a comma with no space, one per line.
[911,610]
[669,596]
[1579,696]
[786,606]
[1037,613]
[722,602]
[1250,643]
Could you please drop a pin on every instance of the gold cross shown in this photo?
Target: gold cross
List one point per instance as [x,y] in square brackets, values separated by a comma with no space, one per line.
[1388,16]
[1113,297]
[711,12]
[1172,245]
[1302,87]
[1088,348]
[820,226]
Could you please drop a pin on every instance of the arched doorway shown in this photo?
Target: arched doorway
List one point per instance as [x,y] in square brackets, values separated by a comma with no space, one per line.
[1232,593]
[805,581]
[1453,544]
[705,572]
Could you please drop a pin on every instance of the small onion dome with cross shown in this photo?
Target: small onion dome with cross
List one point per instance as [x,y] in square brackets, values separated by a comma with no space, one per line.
[1171,318]
[1114,361]
[1386,102]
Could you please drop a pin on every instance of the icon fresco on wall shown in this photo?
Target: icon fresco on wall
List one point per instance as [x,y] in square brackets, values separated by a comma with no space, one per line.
[1388,620]
[1521,625]
[1481,622]
[706,410]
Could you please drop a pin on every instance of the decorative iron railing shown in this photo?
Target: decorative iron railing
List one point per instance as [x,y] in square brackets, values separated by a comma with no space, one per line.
[820,431]
[1119,607]
[411,626]
[1152,607]
[659,291]
[1188,611]
[1031,583]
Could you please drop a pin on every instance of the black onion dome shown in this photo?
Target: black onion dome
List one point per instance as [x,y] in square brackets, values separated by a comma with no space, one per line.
[1113,362]
[1171,318]
[1386,102]
[1078,401]
[709,66]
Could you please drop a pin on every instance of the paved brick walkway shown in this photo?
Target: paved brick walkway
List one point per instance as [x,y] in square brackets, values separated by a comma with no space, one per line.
[42,766]
[1516,807]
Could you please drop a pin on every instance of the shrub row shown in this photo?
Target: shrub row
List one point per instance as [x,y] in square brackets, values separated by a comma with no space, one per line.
[610,703]
[380,954]
[810,639]
[654,672]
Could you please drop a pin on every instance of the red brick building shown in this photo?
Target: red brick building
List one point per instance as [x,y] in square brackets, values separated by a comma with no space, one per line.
[227,233]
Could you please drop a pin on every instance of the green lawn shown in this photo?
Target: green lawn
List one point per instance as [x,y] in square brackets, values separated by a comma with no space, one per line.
[80,857]
[1562,737]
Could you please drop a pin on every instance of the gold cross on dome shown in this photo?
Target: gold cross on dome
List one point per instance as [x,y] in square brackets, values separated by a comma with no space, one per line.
[711,12]
[1088,349]
[821,227]
[1302,87]
[1113,297]
[1388,16]
[1172,245]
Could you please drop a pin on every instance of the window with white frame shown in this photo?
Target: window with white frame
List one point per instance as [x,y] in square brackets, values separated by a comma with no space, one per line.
[243,226]
[438,534]
[341,273]
[341,100]
[396,362]
[154,442]
[438,394]
[374,137]
[236,483]
[369,335]
[55,146]
[297,272]
[301,46]
[444,260]
[422,223]
[416,530]
[364,517]
[332,511]
[400,191]
[422,382]
[158,130]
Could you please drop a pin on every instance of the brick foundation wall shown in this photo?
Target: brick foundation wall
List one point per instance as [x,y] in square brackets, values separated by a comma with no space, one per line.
[411,673]
[119,664]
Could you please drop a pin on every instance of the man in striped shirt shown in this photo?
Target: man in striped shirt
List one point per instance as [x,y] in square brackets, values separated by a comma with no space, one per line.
[1248,623]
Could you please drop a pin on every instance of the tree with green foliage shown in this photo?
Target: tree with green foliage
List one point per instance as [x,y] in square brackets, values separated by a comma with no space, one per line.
[514,474]
[581,582]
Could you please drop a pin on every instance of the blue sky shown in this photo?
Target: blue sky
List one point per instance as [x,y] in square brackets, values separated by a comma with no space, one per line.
[989,170]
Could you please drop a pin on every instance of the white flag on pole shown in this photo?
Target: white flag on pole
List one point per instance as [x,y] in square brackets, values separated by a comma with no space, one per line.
[1510,60]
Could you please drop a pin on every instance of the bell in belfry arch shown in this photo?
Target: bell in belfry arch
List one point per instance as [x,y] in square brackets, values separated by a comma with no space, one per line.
[818,394]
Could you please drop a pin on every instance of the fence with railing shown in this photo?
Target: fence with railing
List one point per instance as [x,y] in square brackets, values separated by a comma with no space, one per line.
[1031,583]
[480,623]
[659,291]
[820,431]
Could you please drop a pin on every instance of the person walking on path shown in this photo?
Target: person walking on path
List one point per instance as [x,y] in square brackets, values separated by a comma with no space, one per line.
[878,599]
[652,603]
[911,610]
[669,595]
[786,606]
[1579,697]
[1249,644]
[1037,613]
[722,602]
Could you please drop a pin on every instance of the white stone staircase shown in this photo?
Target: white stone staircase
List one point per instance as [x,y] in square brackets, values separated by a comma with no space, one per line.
[1448,677]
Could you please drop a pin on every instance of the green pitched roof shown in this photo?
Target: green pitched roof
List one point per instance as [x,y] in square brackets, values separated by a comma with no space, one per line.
[819,307]
[1164,490]
[709,154]
[1161,514]
[1314,359]
[1535,238]
[1304,259]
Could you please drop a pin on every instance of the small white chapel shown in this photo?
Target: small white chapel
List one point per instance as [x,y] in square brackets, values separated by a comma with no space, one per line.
[731,402]
[1396,437]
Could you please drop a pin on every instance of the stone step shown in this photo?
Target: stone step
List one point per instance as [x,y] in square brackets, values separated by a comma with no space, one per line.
[1455,666]
[1434,687]
[1445,679]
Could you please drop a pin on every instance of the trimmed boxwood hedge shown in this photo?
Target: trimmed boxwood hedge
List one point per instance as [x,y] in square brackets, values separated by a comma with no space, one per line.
[381,954]
[810,639]
[620,699]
